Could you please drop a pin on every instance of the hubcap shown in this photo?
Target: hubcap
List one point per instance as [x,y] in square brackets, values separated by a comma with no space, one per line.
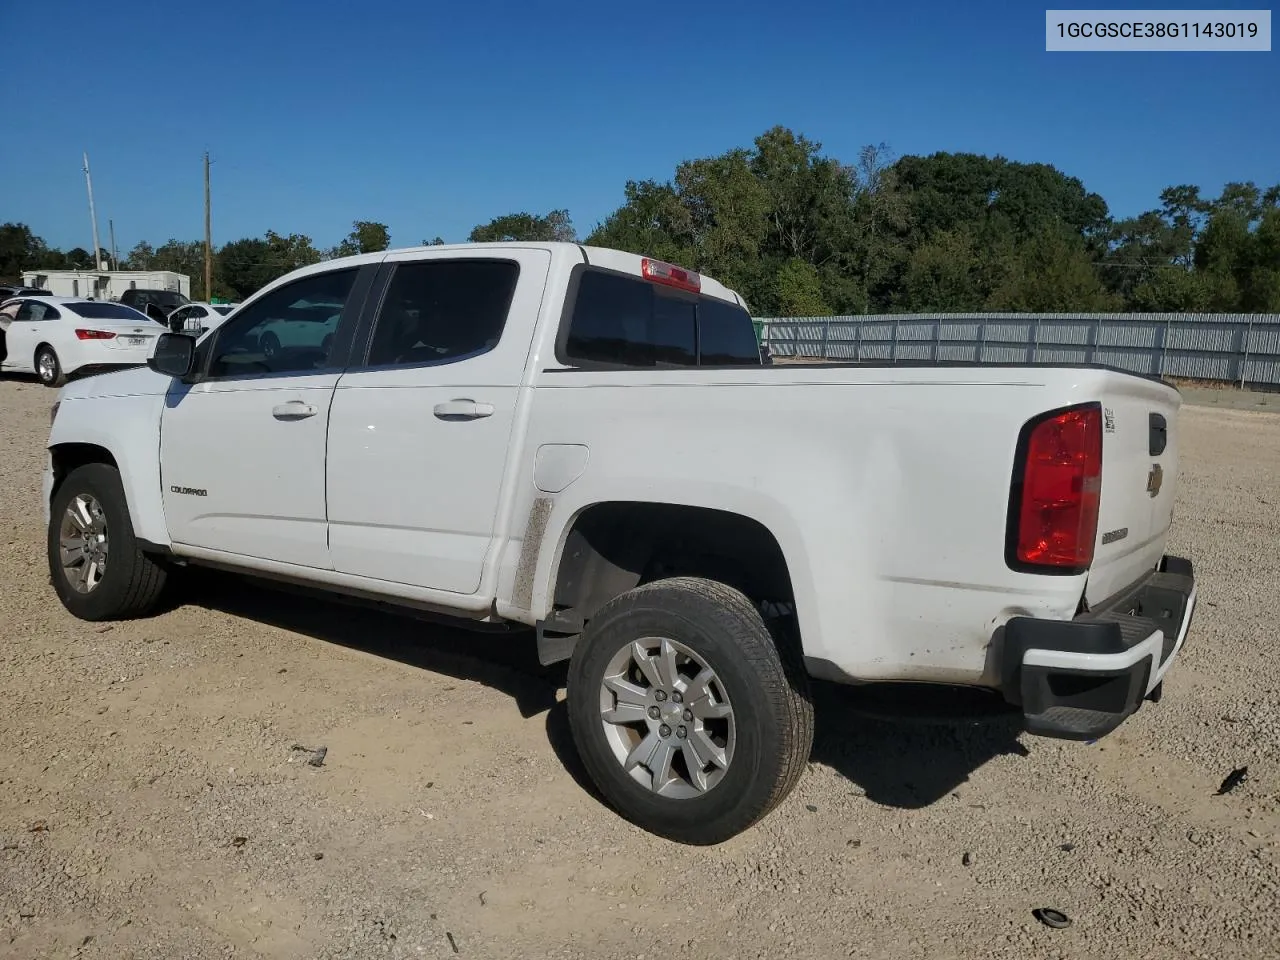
[46,367]
[82,539]
[667,718]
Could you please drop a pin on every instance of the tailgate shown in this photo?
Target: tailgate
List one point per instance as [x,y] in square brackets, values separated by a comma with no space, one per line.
[1139,470]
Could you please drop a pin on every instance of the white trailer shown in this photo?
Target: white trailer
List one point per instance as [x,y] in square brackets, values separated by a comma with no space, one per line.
[105,285]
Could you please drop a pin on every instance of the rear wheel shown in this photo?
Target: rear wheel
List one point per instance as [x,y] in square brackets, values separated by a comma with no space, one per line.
[686,715]
[48,369]
[97,569]
[270,345]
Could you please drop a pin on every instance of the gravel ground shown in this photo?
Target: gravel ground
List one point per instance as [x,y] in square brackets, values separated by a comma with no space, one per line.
[153,802]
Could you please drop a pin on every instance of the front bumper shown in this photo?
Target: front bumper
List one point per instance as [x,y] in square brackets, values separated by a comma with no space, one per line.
[1080,679]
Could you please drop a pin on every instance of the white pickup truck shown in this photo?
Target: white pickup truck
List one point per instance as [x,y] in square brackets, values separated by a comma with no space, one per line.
[586,442]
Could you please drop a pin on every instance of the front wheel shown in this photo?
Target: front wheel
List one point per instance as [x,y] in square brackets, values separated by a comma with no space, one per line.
[97,569]
[689,718]
[48,369]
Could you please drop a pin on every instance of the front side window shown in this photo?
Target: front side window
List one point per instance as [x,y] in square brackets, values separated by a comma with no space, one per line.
[442,311]
[290,330]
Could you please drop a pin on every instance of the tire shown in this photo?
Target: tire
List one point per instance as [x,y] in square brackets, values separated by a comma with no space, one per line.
[269,344]
[48,369]
[766,690]
[130,582]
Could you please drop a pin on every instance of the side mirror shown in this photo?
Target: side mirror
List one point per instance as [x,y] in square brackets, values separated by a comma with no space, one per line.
[174,355]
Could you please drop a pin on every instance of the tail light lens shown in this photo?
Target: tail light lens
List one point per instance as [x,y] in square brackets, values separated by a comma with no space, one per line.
[95,335]
[1056,492]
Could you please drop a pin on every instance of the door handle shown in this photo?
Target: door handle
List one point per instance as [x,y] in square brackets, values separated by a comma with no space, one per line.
[293,410]
[463,410]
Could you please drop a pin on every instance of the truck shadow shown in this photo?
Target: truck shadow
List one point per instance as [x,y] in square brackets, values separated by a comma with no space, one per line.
[910,745]
[906,745]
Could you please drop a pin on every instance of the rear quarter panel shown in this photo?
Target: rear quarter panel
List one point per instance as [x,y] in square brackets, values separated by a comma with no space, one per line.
[887,490]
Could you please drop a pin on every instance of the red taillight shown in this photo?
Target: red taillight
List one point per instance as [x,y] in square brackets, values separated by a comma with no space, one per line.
[1061,486]
[670,274]
[95,335]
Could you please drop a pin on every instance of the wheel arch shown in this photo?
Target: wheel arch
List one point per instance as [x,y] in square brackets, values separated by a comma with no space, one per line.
[121,432]
[65,457]
[609,547]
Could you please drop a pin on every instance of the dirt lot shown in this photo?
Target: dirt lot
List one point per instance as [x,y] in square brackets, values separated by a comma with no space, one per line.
[151,804]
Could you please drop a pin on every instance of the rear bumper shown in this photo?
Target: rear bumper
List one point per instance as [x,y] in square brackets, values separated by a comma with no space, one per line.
[1080,679]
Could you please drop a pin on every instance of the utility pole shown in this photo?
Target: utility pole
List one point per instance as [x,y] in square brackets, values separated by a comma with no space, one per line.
[208,234]
[93,217]
[115,260]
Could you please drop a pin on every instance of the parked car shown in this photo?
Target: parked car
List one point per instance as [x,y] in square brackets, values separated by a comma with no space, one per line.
[586,442]
[198,317]
[166,301]
[8,292]
[58,337]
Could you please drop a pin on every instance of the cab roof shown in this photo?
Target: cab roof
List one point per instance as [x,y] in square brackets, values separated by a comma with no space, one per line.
[605,257]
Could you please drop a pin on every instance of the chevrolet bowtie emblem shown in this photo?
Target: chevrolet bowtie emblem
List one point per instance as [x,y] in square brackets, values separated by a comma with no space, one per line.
[1154,479]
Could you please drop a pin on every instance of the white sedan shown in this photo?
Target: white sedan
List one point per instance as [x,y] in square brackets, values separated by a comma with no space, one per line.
[56,337]
[198,318]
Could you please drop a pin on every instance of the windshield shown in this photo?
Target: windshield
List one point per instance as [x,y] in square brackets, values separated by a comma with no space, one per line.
[109,311]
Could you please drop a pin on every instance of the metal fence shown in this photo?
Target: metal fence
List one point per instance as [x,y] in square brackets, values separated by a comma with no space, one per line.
[1239,348]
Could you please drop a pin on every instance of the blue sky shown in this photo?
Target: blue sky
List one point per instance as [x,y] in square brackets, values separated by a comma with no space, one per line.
[435,116]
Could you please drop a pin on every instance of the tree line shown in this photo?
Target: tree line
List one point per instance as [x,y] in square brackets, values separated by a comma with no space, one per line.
[800,233]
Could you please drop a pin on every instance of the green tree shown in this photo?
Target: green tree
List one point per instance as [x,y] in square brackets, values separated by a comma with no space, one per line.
[1263,282]
[78,258]
[943,274]
[20,249]
[526,227]
[182,256]
[1170,289]
[140,257]
[365,237]
[798,290]
[1142,248]
[948,190]
[651,221]
[247,265]
[243,265]
[1052,272]
[810,197]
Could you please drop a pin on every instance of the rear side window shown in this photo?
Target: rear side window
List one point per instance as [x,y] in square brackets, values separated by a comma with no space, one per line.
[32,310]
[442,311]
[631,322]
[726,336]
